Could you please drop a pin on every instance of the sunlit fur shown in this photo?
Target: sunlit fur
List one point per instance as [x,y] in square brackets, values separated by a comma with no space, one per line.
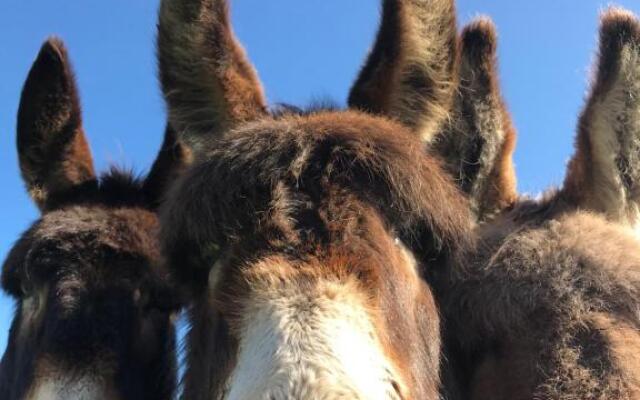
[411,71]
[478,141]
[327,195]
[605,171]
[548,306]
[315,340]
[304,238]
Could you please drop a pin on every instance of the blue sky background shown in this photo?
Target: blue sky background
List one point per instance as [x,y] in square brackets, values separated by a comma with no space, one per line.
[302,50]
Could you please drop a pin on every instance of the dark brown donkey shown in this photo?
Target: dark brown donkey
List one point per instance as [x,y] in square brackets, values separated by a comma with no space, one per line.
[303,237]
[550,308]
[93,304]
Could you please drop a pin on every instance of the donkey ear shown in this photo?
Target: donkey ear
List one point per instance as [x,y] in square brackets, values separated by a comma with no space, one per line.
[604,174]
[478,142]
[13,267]
[52,148]
[209,84]
[409,74]
[172,159]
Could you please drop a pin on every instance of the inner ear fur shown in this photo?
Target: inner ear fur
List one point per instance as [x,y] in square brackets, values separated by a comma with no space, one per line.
[410,72]
[478,141]
[52,148]
[604,173]
[208,83]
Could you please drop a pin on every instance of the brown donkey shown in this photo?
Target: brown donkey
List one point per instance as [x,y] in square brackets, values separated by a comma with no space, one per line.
[303,238]
[549,309]
[93,303]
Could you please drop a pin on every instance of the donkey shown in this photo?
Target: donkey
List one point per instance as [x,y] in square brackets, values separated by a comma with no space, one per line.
[303,238]
[93,302]
[548,306]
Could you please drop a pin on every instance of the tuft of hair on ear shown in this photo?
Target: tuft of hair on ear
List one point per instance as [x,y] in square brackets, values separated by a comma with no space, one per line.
[604,173]
[478,141]
[52,148]
[410,72]
[207,80]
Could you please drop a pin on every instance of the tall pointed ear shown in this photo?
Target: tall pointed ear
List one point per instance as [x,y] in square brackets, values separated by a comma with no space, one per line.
[604,174]
[208,83]
[52,148]
[409,74]
[172,159]
[478,142]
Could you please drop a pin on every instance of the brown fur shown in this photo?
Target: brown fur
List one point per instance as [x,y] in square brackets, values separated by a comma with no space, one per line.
[591,183]
[479,141]
[208,82]
[299,200]
[368,156]
[410,73]
[535,337]
[376,272]
[305,188]
[549,307]
[171,161]
[50,117]
[92,297]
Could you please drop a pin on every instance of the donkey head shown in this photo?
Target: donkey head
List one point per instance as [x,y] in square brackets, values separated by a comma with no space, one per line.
[93,303]
[304,237]
[549,308]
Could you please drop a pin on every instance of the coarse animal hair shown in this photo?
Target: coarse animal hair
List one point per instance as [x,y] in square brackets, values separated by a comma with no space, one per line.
[93,299]
[291,224]
[547,307]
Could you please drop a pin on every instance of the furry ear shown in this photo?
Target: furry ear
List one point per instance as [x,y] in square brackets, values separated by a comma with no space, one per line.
[208,83]
[478,142]
[52,148]
[172,159]
[13,266]
[409,74]
[604,174]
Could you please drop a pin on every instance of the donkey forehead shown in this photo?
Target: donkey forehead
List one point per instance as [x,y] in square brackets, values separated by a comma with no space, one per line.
[127,229]
[350,150]
[95,236]
[319,174]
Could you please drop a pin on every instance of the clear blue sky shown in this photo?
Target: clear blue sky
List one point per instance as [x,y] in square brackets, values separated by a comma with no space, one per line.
[302,50]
